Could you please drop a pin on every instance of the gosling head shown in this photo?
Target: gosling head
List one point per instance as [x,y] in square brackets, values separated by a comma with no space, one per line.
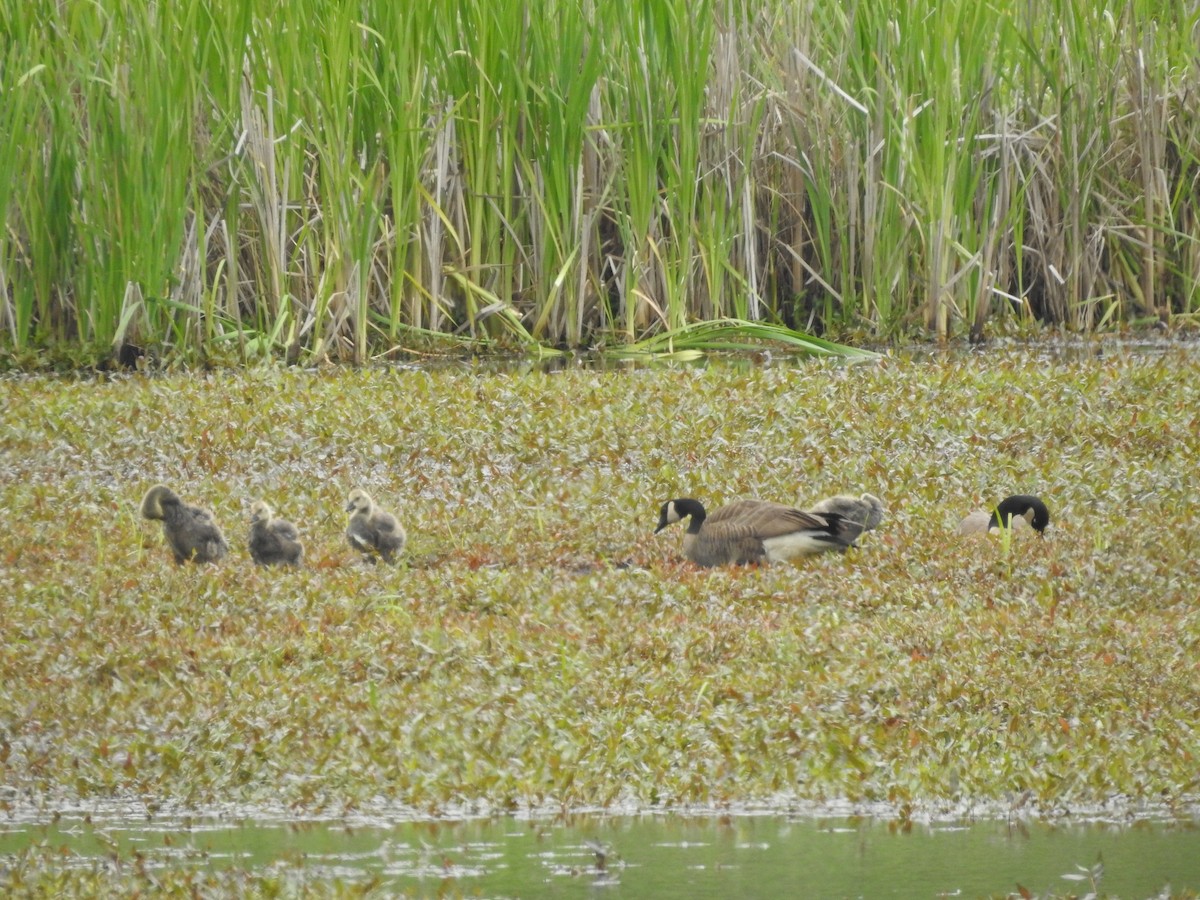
[359,501]
[259,512]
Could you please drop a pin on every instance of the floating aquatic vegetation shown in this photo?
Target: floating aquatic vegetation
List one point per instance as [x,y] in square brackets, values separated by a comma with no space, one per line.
[539,646]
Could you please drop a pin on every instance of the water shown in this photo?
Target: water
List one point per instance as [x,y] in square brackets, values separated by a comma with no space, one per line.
[656,856]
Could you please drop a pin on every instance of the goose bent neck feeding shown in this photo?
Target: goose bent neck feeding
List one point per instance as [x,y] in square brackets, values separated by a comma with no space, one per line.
[1017,512]
[191,532]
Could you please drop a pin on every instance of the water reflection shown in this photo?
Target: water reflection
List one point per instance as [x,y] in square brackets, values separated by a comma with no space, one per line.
[653,856]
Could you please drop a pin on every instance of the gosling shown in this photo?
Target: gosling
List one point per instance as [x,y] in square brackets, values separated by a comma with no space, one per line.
[371,530]
[273,541]
[1018,512]
[753,531]
[864,513]
[191,531]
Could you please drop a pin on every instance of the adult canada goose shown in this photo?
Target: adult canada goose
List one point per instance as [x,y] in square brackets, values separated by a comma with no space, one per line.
[1017,512]
[191,531]
[372,530]
[753,531]
[273,541]
[864,513]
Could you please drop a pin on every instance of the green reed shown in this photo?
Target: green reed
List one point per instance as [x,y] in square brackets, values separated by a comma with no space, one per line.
[331,179]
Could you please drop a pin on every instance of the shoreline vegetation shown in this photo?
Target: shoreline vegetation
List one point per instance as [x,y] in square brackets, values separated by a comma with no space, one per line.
[231,181]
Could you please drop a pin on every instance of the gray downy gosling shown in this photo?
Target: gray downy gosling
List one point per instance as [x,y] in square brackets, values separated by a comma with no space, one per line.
[372,531]
[753,531]
[191,532]
[273,541]
[1018,512]
[865,513]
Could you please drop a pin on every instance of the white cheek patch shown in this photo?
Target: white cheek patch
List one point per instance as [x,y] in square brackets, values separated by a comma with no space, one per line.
[1015,523]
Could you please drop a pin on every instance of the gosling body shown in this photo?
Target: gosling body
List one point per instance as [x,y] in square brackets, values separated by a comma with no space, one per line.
[191,532]
[753,531]
[371,530]
[1018,512]
[864,513]
[273,541]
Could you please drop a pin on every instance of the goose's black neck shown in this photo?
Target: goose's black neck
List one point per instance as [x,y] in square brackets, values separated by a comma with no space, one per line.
[693,508]
[1019,505]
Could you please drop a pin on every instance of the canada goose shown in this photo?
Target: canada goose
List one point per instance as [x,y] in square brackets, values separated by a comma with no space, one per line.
[372,530]
[273,540]
[191,531]
[752,531]
[864,513]
[1018,511]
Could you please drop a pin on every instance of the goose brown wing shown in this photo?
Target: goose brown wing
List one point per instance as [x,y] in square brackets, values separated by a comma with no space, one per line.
[769,520]
[740,509]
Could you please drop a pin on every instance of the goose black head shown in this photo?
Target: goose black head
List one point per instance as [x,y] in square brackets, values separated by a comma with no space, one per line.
[1027,506]
[675,510]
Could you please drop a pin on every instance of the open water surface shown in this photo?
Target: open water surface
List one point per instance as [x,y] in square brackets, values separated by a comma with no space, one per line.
[745,856]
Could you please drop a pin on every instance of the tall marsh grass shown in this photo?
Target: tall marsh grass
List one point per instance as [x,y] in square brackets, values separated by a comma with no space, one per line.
[337,179]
